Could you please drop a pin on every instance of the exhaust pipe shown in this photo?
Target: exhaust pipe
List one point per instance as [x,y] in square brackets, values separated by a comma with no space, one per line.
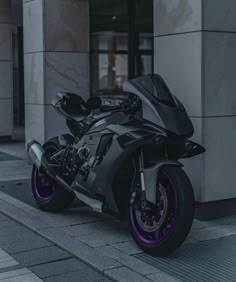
[39,158]
[36,153]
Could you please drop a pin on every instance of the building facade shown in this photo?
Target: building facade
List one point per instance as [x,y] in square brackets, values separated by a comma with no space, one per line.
[92,46]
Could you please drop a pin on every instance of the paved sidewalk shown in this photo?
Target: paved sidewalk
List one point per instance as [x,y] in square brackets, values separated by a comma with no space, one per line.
[105,244]
[27,257]
[13,162]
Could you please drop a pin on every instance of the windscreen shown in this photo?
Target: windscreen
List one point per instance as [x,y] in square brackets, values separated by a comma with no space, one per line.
[155,86]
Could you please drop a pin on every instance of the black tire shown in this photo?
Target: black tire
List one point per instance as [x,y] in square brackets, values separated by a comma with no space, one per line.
[59,199]
[183,217]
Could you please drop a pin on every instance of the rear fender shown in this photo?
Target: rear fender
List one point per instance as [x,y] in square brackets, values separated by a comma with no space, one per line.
[151,175]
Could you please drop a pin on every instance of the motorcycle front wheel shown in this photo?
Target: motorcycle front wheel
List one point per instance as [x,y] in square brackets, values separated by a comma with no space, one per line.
[161,229]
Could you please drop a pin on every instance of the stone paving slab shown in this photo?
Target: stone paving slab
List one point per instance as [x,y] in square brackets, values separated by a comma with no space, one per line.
[39,263]
[25,245]
[75,276]
[15,149]
[21,216]
[19,275]
[57,268]
[3,217]
[104,244]
[30,277]
[131,262]
[21,190]
[4,256]
[12,170]
[162,277]
[17,237]
[14,273]
[89,255]
[8,263]
[230,220]
[74,216]
[214,232]
[7,157]
[100,233]
[6,260]
[129,248]
[124,274]
[42,255]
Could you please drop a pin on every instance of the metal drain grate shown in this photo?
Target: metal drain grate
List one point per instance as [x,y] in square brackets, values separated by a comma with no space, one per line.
[208,261]
[6,157]
[21,190]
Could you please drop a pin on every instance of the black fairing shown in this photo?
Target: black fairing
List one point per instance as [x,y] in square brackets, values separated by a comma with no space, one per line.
[160,106]
[175,120]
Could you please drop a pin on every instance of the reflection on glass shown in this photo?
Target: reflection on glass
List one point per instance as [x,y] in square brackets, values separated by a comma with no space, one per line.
[146,64]
[107,41]
[145,41]
[110,71]
[121,33]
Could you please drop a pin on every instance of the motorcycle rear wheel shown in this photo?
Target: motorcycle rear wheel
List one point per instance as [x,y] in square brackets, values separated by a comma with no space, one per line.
[49,197]
[171,231]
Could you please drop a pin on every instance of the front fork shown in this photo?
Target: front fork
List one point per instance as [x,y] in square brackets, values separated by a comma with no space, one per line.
[141,202]
[141,170]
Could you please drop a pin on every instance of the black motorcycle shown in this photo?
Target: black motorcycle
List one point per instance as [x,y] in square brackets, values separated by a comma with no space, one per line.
[122,158]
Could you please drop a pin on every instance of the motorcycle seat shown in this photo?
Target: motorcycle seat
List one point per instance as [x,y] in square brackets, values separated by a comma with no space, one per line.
[71,106]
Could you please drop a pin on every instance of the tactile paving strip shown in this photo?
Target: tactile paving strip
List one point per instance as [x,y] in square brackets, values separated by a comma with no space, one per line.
[206,261]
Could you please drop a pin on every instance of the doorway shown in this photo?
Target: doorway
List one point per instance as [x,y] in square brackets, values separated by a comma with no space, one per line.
[121,38]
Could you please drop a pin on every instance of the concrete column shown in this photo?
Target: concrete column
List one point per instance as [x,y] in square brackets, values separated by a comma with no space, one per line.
[6,75]
[56,46]
[195,51]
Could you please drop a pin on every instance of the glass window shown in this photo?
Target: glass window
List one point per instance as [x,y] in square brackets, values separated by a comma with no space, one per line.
[109,41]
[146,65]
[121,42]
[110,71]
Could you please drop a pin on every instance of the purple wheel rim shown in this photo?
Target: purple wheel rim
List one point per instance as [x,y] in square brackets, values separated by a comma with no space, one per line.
[149,238]
[41,191]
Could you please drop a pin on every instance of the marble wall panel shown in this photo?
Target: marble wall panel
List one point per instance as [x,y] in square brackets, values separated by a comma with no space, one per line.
[219,73]
[219,15]
[35,123]
[68,72]
[177,16]
[178,58]
[220,139]
[34,78]
[33,26]
[66,25]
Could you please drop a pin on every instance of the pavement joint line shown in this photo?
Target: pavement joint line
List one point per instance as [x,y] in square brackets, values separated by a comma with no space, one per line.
[52,261]
[18,204]
[18,272]
[144,278]
[51,240]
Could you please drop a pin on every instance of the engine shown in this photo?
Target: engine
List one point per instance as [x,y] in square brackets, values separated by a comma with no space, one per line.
[77,160]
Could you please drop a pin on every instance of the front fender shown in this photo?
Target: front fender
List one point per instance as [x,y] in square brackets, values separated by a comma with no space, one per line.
[151,176]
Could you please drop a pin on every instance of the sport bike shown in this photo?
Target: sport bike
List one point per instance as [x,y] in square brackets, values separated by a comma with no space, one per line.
[122,158]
